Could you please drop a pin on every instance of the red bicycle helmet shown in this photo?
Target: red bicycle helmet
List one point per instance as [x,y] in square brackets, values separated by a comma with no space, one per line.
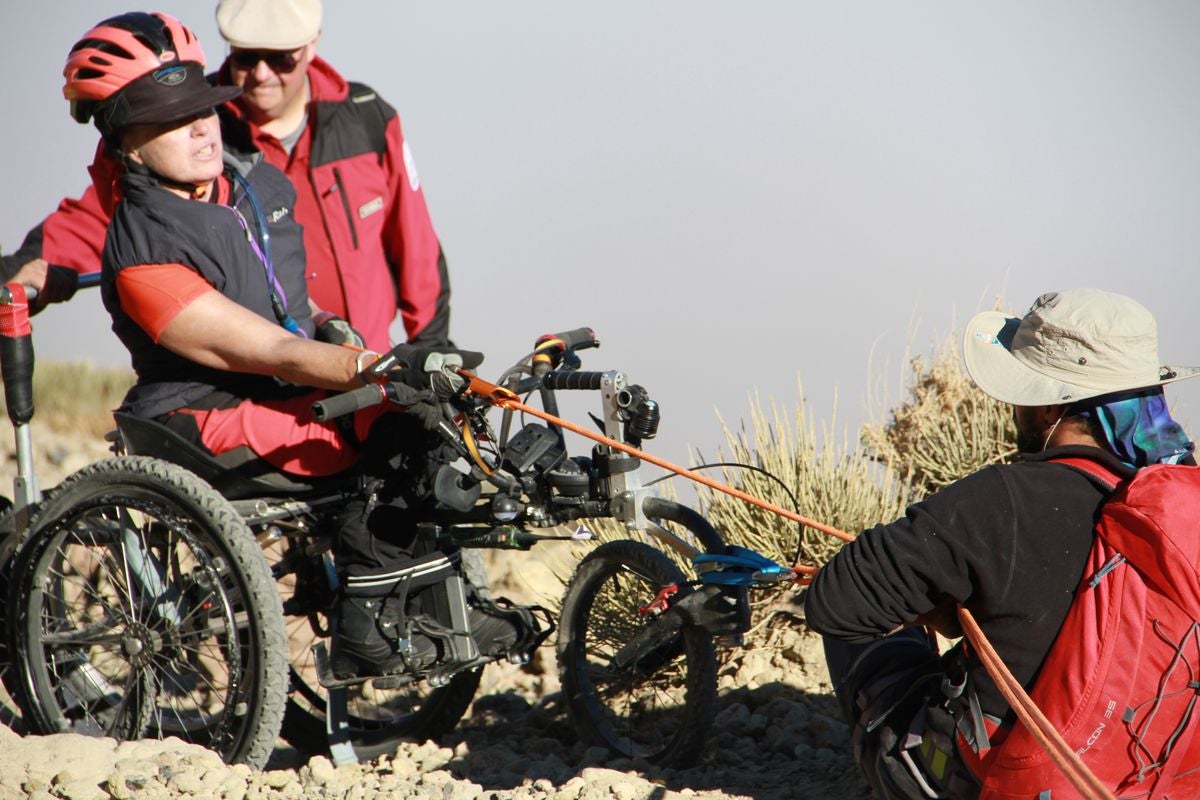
[118,51]
[138,67]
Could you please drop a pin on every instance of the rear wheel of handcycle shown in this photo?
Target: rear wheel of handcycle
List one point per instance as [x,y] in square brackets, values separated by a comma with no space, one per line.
[142,608]
[660,705]
[378,719]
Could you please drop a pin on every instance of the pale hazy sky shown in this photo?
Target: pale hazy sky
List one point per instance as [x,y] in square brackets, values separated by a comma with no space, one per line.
[735,194]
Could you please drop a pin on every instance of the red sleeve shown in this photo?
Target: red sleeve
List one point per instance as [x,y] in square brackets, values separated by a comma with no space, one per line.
[73,236]
[413,250]
[154,294]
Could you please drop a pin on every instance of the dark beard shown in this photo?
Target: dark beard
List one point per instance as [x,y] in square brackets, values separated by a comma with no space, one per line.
[1029,440]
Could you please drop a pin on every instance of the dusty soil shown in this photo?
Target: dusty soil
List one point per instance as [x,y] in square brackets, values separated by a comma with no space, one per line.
[777,733]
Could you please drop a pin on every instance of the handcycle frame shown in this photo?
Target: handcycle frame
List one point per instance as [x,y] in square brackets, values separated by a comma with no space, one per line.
[715,602]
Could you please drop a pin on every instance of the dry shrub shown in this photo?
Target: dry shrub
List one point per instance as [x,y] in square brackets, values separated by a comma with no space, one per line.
[822,474]
[944,429]
[78,397]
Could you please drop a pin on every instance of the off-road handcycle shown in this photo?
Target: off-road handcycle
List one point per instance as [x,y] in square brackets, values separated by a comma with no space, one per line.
[161,593]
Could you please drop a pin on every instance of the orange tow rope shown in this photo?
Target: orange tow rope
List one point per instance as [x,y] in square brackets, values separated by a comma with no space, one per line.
[1082,778]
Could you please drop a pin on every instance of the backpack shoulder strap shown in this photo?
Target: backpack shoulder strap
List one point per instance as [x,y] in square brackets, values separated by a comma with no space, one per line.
[1093,469]
[369,107]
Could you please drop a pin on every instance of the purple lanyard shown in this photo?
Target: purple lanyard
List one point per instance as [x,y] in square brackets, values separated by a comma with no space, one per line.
[278,296]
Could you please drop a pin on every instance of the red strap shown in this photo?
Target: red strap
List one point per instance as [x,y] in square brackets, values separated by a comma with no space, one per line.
[1093,468]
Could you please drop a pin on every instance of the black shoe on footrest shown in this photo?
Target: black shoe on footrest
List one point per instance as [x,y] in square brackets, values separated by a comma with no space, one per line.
[501,628]
[369,642]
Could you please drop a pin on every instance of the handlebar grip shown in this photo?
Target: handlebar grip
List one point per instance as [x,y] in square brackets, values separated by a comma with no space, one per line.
[16,362]
[573,380]
[16,353]
[348,402]
[578,339]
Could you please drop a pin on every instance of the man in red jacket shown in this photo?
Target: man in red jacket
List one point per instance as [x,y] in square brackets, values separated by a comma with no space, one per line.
[370,243]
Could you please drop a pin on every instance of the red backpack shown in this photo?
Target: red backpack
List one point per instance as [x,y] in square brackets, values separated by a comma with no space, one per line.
[1122,679]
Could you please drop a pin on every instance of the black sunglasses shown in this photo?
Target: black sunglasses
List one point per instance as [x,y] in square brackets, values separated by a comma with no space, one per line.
[277,60]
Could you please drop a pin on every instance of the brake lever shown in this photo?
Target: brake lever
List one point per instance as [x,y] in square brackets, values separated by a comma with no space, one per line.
[570,360]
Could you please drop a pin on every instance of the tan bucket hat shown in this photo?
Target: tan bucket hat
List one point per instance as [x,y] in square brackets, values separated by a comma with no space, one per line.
[269,24]
[1070,346]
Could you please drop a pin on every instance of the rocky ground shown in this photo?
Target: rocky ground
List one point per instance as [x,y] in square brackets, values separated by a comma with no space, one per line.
[777,735]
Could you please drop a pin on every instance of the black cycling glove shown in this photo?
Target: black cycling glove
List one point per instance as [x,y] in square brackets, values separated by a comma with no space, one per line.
[420,403]
[334,330]
[60,286]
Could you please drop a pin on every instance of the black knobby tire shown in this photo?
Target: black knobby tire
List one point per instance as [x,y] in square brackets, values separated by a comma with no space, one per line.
[142,608]
[378,719]
[8,524]
[659,708]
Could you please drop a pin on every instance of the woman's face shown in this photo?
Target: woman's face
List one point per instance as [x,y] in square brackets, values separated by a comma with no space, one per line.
[186,151]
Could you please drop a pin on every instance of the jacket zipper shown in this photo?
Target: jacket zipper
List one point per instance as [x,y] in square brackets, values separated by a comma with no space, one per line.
[337,177]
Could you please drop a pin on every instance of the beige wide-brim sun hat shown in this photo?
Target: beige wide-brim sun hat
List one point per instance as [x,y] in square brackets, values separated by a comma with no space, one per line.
[1070,346]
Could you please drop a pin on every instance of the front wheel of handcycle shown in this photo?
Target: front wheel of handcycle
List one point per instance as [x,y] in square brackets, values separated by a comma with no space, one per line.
[143,608]
[378,719]
[633,685]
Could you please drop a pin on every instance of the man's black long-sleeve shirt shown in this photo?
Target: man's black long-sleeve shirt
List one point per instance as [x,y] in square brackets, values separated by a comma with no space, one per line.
[1009,542]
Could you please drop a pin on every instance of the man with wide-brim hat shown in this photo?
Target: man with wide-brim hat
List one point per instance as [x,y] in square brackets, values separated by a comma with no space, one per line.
[1087,355]
[1008,542]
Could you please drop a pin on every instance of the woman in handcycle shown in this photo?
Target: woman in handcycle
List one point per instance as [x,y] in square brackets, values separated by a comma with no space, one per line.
[204,277]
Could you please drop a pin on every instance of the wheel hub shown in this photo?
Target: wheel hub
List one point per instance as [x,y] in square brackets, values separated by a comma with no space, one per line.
[140,643]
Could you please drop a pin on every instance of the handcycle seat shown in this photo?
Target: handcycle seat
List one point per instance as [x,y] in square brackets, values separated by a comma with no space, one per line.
[233,475]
